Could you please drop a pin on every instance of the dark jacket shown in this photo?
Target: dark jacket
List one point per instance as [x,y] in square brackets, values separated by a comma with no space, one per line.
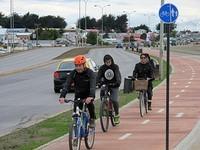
[84,84]
[115,81]
[143,71]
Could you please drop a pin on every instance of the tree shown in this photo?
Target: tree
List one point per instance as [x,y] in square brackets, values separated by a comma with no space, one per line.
[120,23]
[3,20]
[52,22]
[170,26]
[30,20]
[92,38]
[142,26]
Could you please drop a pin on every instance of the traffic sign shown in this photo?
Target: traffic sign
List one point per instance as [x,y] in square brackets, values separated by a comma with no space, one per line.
[168,13]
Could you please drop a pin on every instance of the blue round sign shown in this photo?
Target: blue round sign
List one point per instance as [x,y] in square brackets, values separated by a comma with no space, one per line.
[168,13]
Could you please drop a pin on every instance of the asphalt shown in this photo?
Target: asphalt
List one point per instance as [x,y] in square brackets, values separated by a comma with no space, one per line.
[28,96]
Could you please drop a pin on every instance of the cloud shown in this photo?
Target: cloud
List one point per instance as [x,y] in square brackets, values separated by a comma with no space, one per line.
[188,10]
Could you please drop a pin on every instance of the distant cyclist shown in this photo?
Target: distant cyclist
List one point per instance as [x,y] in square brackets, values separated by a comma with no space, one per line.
[144,70]
[110,75]
[84,80]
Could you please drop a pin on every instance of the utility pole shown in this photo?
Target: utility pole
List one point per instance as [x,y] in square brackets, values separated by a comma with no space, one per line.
[102,7]
[11,26]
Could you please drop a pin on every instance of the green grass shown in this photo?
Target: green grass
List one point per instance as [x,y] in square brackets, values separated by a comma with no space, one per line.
[73,52]
[52,128]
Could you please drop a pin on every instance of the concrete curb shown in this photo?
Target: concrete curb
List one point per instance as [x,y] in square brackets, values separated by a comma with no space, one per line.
[28,68]
[191,141]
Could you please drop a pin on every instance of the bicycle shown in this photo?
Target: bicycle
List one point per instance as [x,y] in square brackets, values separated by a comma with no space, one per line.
[80,127]
[106,109]
[141,85]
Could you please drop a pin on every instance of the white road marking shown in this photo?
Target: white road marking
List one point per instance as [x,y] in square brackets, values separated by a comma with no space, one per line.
[193,73]
[174,83]
[146,121]
[171,102]
[189,82]
[179,115]
[191,78]
[186,86]
[183,71]
[125,136]
[161,110]
[177,96]
[182,91]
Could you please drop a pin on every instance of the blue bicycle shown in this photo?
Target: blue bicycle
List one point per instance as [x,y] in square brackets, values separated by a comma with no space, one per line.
[80,127]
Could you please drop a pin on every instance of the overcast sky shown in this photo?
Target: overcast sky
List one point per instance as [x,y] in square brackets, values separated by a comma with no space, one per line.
[146,11]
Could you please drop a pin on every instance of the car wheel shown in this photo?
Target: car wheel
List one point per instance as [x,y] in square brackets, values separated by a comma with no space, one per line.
[56,90]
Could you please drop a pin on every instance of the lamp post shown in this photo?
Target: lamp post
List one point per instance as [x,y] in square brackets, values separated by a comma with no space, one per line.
[129,24]
[12,25]
[102,7]
[85,19]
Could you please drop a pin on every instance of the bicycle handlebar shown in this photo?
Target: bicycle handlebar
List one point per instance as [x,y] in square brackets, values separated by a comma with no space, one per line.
[74,101]
[133,78]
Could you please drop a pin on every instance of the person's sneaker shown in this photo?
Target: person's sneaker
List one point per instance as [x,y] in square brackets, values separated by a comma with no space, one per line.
[116,119]
[92,123]
[149,106]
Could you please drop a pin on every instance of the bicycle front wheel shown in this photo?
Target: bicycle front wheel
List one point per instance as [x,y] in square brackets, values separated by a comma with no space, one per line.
[112,114]
[74,137]
[141,103]
[89,139]
[104,115]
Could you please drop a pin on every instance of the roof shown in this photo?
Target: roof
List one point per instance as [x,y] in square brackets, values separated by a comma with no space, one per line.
[24,34]
[3,31]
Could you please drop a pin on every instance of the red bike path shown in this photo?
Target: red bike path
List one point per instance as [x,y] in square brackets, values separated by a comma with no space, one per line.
[148,133]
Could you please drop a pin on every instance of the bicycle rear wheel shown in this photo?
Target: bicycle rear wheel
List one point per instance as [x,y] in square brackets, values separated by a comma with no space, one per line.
[89,139]
[104,115]
[74,137]
[141,103]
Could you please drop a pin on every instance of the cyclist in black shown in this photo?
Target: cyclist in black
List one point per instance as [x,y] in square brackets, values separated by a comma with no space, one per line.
[144,70]
[84,84]
[110,75]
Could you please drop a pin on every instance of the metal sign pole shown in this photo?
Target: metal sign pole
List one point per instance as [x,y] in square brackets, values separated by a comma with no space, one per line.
[168,13]
[167,88]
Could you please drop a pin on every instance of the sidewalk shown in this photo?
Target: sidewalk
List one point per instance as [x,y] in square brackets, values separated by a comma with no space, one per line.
[148,133]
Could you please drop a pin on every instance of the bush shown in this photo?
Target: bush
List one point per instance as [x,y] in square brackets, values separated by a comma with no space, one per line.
[92,38]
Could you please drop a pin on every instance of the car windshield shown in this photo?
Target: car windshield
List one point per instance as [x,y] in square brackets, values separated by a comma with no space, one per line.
[67,65]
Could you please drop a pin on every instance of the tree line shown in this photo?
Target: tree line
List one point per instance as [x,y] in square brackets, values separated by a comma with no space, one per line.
[110,23]
[32,21]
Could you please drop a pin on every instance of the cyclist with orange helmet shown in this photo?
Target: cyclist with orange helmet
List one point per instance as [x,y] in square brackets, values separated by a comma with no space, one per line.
[84,80]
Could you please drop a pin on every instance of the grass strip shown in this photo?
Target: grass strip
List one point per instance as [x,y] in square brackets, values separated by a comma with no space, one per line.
[52,128]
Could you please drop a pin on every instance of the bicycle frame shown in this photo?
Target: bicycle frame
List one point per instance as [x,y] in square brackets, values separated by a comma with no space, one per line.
[81,119]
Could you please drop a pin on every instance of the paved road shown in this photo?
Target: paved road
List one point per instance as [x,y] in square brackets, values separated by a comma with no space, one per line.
[148,133]
[29,58]
[29,96]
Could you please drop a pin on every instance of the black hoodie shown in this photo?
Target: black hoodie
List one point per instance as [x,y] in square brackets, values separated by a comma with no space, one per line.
[101,77]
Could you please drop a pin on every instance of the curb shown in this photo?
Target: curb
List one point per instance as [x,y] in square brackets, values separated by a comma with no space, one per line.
[28,68]
[190,142]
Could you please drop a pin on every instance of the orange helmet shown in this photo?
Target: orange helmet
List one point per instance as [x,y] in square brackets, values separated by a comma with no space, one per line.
[79,59]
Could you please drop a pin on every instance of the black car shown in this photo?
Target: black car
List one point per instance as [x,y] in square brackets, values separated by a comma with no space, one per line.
[65,68]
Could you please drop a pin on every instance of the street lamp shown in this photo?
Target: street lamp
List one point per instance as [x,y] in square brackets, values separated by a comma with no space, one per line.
[129,25]
[85,18]
[12,25]
[129,17]
[102,7]
[148,18]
